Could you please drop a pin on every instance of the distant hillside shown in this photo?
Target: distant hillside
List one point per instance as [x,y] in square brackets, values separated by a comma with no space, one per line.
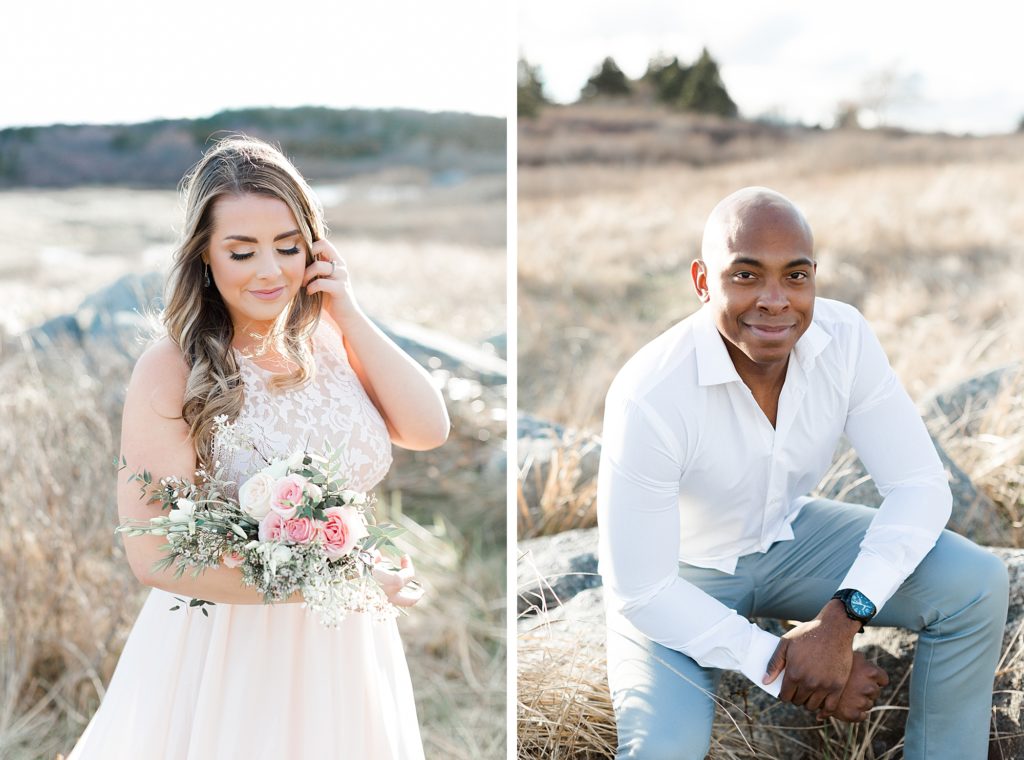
[325,143]
[619,133]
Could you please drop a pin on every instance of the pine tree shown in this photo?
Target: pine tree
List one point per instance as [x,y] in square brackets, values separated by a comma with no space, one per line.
[668,77]
[530,91]
[704,91]
[608,79]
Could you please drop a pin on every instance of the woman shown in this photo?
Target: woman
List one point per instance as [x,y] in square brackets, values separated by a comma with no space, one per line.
[263,327]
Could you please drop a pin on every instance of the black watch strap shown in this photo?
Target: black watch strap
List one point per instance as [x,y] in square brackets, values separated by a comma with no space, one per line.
[846,597]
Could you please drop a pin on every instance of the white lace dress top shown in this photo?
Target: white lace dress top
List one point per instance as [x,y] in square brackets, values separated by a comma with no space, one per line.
[332,408]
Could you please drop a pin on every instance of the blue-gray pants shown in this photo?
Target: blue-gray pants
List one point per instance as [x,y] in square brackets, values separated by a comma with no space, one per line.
[956,599]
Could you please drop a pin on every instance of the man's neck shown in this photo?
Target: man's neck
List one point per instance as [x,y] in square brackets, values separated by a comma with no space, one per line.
[765,381]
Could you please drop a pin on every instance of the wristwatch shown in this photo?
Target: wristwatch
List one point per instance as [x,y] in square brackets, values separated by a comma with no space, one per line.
[858,607]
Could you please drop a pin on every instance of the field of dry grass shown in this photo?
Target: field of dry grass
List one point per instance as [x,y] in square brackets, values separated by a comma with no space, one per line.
[68,597]
[921,233]
[395,230]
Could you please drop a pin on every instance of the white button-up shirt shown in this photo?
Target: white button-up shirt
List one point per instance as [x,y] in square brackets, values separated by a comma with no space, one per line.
[693,471]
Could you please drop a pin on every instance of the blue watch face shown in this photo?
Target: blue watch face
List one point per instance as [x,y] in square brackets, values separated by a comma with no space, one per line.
[861,605]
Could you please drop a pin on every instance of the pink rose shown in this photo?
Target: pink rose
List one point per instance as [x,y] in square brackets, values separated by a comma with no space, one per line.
[343,527]
[299,530]
[286,496]
[271,527]
[232,559]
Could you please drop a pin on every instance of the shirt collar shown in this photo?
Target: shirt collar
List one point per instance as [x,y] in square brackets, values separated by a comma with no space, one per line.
[714,365]
[810,345]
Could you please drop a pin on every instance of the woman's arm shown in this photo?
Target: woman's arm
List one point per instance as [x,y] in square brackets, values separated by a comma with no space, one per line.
[152,439]
[400,388]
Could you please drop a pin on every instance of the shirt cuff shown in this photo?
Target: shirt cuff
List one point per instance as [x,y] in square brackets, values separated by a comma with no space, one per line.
[755,661]
[874,577]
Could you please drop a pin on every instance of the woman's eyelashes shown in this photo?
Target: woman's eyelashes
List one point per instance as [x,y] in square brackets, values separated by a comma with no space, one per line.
[286,251]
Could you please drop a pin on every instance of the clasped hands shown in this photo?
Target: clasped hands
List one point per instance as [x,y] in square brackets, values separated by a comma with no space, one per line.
[822,672]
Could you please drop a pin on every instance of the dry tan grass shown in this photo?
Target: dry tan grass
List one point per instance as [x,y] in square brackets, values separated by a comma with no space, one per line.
[395,230]
[565,496]
[564,709]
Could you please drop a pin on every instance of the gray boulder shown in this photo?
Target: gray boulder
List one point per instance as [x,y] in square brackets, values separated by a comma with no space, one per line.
[974,514]
[114,317]
[963,405]
[498,344]
[440,352]
[553,569]
[965,402]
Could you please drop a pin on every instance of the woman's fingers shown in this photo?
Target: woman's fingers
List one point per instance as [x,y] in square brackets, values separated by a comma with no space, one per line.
[408,596]
[324,269]
[398,582]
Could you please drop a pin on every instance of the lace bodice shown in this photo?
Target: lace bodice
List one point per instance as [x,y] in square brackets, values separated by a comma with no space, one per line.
[332,407]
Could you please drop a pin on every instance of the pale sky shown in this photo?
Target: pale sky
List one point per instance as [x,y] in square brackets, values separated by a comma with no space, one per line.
[958,66]
[100,61]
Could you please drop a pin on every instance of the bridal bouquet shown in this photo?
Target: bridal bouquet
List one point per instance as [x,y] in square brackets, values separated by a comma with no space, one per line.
[294,527]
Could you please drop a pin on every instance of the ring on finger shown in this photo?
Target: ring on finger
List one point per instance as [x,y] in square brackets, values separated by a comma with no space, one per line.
[334,265]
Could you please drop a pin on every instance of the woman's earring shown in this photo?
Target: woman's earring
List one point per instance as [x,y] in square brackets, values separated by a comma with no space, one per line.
[206,277]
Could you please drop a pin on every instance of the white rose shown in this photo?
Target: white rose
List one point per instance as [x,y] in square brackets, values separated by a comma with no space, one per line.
[353,497]
[281,555]
[295,460]
[179,516]
[254,495]
[187,506]
[313,492]
[276,469]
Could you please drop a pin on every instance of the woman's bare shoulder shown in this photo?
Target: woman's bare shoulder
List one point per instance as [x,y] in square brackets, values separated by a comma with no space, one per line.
[160,374]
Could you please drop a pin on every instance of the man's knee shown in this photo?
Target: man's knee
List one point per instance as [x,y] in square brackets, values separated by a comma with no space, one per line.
[668,739]
[994,582]
[978,580]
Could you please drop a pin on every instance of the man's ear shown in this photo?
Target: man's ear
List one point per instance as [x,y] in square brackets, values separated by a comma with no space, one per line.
[699,275]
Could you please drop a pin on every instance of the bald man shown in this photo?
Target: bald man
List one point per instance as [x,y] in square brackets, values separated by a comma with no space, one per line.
[714,435]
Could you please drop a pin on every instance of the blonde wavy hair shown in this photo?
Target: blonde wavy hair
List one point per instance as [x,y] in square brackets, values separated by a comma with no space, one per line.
[196,317]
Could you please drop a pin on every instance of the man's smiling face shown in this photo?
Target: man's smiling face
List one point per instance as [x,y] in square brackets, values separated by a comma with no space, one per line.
[757,275]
